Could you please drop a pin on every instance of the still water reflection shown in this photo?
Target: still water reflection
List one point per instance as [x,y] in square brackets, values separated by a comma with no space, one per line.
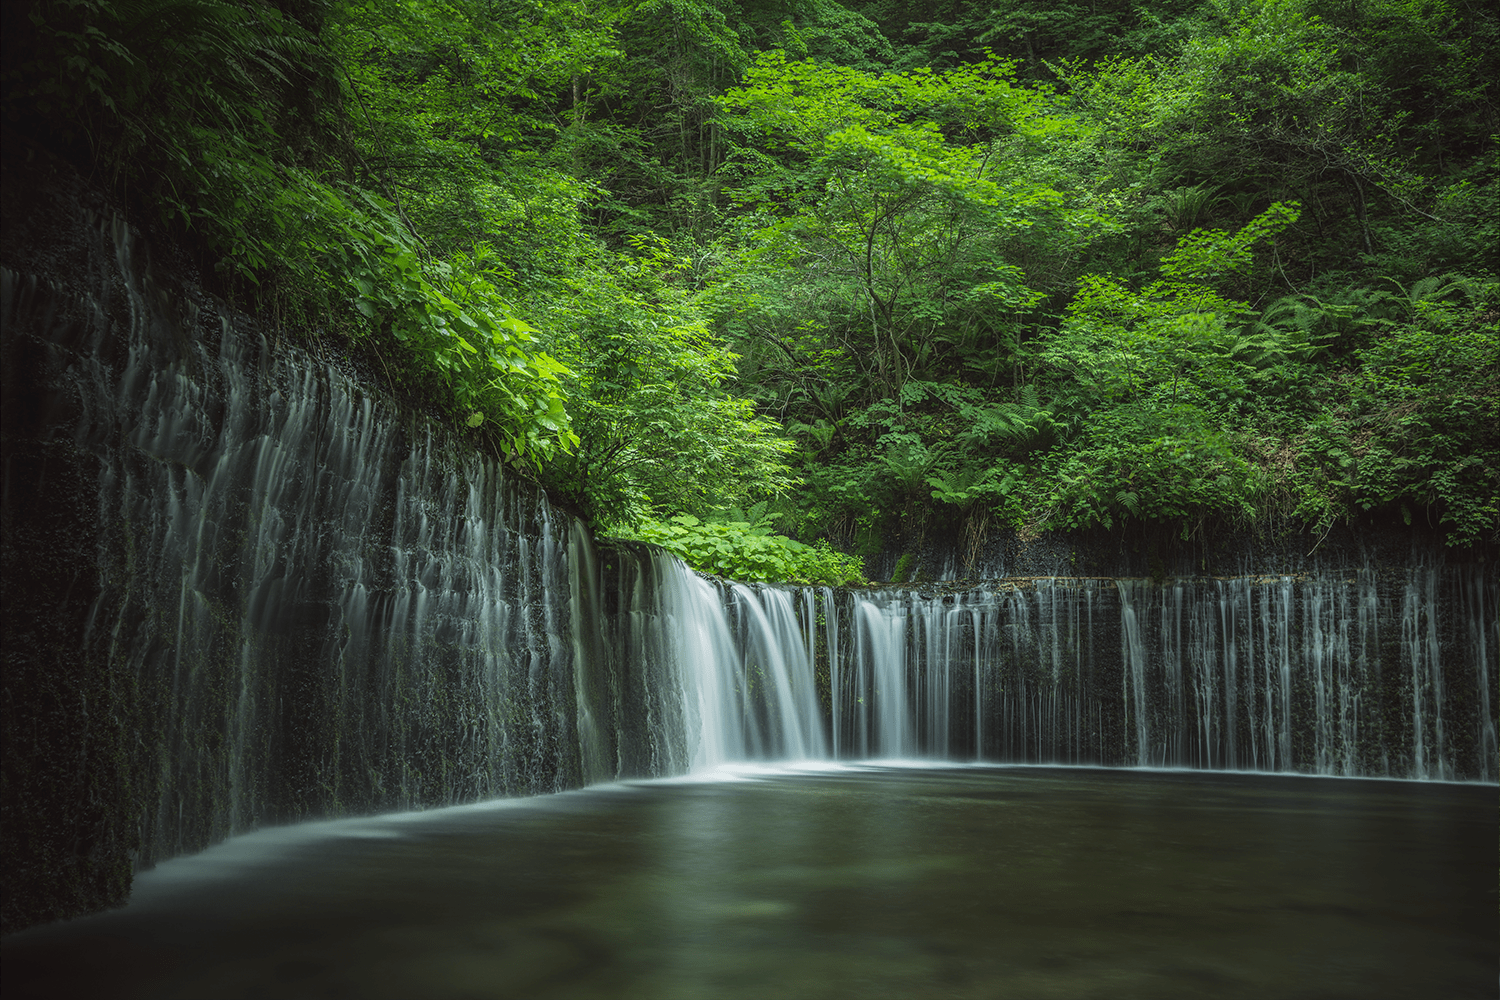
[869,882]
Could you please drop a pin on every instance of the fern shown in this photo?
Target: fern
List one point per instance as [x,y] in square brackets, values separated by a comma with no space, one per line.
[1430,290]
[1188,207]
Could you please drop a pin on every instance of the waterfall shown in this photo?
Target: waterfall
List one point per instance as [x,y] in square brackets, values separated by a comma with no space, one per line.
[245,587]
[745,668]
[1336,673]
[322,607]
[1333,673]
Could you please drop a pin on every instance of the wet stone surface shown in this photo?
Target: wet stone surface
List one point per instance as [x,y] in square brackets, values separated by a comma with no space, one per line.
[915,882]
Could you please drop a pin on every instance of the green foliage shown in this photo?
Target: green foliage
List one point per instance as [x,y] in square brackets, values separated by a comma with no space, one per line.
[1048,266]
[1037,35]
[1423,426]
[741,550]
[197,100]
[657,431]
[887,188]
[1159,384]
[1205,255]
[1143,461]
[134,72]
[183,100]
[464,333]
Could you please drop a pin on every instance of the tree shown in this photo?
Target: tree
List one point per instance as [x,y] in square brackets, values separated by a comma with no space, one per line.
[888,183]
[658,433]
[1156,382]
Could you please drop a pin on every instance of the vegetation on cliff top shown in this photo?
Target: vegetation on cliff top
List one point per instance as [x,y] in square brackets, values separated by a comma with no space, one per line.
[869,263]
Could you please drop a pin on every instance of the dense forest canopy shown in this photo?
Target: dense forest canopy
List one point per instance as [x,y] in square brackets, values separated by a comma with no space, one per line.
[711,269]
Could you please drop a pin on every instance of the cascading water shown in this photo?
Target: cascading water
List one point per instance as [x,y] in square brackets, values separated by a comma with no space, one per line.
[285,599]
[1332,673]
[325,608]
[745,669]
[1328,674]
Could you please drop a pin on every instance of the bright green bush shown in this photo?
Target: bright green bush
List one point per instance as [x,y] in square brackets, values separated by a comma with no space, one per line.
[740,550]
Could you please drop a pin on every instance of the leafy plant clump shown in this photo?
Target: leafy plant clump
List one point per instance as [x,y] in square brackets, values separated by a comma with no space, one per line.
[741,550]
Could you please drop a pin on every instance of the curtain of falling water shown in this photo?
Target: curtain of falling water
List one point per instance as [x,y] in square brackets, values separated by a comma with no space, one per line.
[325,607]
[1338,672]
[312,605]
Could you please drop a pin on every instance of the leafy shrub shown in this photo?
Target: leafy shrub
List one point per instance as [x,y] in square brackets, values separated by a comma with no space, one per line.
[740,550]
[1148,463]
[1427,429]
[647,391]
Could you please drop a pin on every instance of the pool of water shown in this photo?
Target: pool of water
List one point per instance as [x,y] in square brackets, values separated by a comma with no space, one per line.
[876,881]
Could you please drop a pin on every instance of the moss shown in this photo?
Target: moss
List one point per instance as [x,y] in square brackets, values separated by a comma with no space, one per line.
[904,567]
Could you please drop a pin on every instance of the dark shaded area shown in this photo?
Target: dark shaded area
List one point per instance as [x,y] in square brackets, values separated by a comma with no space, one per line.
[66,747]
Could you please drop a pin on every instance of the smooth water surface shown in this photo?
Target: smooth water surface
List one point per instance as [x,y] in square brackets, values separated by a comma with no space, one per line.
[863,882]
